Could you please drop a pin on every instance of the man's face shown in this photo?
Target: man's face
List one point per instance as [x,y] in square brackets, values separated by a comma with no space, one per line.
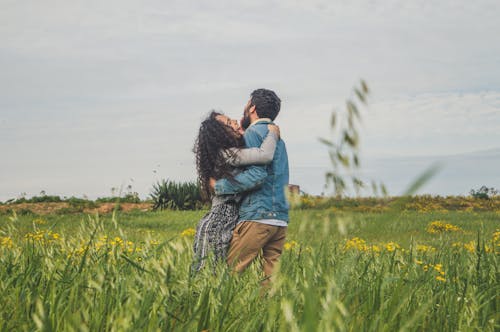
[245,121]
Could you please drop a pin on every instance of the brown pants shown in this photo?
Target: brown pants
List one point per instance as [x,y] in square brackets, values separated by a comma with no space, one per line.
[249,238]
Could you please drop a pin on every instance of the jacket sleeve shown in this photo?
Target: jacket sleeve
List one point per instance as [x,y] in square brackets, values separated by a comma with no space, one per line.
[252,177]
[248,156]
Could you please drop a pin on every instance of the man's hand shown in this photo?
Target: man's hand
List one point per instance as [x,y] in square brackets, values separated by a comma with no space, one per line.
[211,183]
[274,128]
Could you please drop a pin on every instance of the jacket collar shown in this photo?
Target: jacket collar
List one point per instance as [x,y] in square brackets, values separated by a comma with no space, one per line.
[264,120]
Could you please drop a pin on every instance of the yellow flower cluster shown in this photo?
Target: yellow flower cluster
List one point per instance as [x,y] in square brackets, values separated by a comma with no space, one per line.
[425,206]
[360,245]
[188,232]
[80,251]
[110,244]
[424,248]
[438,226]
[496,237]
[440,278]
[6,241]
[42,236]
[438,268]
[392,246]
[471,246]
[356,243]
[290,245]
[293,245]
[40,221]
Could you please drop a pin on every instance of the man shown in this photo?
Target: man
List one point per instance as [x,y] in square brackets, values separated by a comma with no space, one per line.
[263,215]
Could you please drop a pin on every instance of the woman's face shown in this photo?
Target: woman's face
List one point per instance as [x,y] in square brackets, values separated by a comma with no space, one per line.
[233,124]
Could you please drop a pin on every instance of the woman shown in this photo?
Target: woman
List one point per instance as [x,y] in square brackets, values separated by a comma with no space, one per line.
[220,150]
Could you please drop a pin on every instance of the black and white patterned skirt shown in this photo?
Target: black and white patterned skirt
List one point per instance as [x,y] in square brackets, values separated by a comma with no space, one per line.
[214,233]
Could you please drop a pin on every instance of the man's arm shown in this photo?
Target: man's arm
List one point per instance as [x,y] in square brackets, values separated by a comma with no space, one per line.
[250,178]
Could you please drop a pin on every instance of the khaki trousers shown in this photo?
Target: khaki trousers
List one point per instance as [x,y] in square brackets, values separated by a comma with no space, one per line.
[251,239]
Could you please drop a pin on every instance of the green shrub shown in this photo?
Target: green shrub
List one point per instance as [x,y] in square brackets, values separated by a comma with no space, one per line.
[76,202]
[36,199]
[173,195]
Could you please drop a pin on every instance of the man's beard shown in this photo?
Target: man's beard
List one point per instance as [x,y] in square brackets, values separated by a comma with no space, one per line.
[245,121]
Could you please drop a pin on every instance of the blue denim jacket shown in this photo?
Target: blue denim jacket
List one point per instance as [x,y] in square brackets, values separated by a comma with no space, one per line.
[264,185]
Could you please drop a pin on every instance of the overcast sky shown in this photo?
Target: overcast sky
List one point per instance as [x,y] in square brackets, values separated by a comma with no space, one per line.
[102,94]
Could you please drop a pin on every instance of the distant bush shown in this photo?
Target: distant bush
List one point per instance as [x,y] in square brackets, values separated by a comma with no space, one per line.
[75,201]
[36,199]
[128,198]
[176,195]
[420,203]
[484,193]
[81,203]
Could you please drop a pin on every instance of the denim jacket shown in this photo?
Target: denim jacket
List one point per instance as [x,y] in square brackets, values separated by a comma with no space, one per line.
[264,185]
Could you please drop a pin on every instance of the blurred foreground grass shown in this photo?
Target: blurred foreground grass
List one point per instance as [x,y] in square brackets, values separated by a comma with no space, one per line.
[390,270]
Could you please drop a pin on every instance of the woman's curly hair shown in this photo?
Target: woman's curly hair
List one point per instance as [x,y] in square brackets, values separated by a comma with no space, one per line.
[213,139]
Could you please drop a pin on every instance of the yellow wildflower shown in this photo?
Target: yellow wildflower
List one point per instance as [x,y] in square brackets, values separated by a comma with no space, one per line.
[440,278]
[188,232]
[40,221]
[424,248]
[439,227]
[496,236]
[6,241]
[42,236]
[471,247]
[290,245]
[391,246]
[356,243]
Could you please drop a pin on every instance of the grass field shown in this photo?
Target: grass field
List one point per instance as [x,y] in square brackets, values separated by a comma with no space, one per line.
[372,271]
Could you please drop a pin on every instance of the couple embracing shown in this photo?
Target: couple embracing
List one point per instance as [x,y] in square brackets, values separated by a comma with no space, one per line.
[244,170]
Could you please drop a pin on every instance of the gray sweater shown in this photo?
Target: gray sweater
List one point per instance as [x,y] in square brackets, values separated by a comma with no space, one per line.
[248,156]
[253,156]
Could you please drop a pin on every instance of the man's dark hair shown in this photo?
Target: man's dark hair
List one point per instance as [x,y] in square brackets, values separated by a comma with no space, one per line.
[267,104]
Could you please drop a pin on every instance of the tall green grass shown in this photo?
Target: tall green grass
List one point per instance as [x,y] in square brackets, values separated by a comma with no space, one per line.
[75,279]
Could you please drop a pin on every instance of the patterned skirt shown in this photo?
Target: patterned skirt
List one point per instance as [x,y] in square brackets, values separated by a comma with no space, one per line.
[214,233]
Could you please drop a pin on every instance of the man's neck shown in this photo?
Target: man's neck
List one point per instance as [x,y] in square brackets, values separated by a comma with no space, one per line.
[260,120]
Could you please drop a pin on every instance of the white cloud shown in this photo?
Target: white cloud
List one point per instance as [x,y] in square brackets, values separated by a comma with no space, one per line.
[434,124]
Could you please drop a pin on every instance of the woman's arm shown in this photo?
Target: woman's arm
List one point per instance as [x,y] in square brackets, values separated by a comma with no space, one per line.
[255,156]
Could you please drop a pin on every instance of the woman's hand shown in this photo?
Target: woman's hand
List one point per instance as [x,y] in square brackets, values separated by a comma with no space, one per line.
[274,129]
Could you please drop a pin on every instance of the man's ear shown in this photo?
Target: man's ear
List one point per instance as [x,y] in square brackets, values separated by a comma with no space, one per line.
[252,109]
